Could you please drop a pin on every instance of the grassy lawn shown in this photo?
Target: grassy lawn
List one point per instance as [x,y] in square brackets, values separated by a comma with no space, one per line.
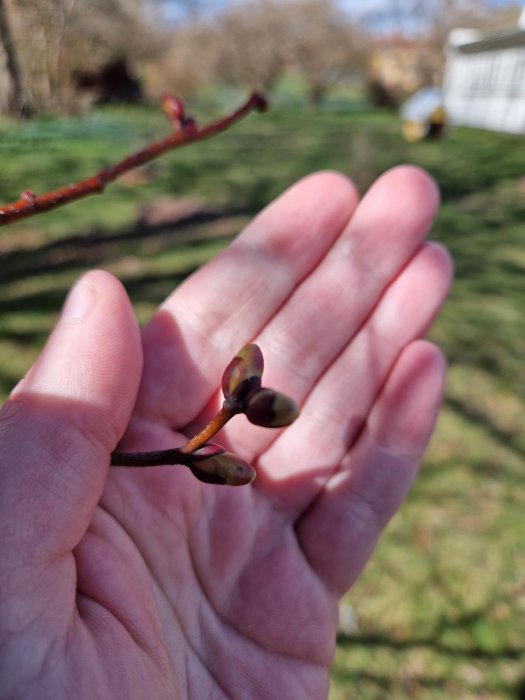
[440,611]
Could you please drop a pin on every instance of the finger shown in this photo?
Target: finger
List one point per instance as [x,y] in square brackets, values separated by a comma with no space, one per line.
[330,306]
[64,419]
[325,305]
[226,303]
[339,532]
[306,332]
[334,412]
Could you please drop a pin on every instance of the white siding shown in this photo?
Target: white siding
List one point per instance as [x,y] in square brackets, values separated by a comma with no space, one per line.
[487,89]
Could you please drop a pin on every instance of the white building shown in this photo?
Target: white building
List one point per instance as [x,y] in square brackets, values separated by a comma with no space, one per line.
[484,83]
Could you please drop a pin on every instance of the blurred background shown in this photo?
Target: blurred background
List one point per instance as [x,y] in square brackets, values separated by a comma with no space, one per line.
[358,86]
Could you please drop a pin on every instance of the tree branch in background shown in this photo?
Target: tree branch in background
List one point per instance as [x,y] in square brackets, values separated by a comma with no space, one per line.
[185,131]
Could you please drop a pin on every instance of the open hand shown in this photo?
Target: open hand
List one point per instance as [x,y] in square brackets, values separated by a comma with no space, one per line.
[145,583]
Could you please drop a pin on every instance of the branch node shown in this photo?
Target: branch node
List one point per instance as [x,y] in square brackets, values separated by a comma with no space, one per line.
[173,108]
[260,102]
[28,196]
[189,127]
[102,182]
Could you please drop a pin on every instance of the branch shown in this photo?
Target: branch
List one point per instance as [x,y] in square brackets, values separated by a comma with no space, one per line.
[211,464]
[185,131]
[243,393]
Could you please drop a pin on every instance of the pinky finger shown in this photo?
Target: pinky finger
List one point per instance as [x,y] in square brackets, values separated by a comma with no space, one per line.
[340,530]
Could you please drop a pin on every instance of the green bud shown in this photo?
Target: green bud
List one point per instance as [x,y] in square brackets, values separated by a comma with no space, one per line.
[213,465]
[243,375]
[271,409]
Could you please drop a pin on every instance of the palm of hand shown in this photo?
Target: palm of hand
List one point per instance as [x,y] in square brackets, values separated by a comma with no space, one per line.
[210,590]
[187,590]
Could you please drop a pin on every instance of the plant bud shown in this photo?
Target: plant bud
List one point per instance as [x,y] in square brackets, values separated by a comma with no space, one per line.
[271,409]
[173,108]
[243,375]
[213,465]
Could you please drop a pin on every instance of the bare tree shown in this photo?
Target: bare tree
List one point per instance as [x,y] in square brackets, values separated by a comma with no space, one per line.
[187,65]
[71,35]
[17,103]
[257,40]
[252,42]
[436,18]
[322,44]
[445,15]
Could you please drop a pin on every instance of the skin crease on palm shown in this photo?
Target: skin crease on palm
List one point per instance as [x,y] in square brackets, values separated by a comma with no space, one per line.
[145,583]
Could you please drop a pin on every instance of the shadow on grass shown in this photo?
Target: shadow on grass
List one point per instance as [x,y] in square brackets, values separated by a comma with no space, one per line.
[513,653]
[100,246]
[520,689]
[388,681]
[150,258]
[144,287]
[460,628]
[504,438]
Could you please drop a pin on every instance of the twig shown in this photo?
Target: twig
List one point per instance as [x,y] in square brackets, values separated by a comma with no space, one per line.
[150,459]
[185,132]
[243,393]
[206,434]
[211,464]
[175,455]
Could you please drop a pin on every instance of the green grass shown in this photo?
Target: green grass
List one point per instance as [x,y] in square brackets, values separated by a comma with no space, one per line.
[441,608]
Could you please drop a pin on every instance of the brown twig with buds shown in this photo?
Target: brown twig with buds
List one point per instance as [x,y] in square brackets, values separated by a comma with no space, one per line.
[243,393]
[241,381]
[185,131]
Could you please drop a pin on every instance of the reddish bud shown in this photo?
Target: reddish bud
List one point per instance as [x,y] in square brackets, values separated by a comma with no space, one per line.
[271,409]
[213,465]
[173,108]
[243,375]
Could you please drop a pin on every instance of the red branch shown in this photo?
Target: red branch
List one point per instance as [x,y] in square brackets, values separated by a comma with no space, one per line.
[185,131]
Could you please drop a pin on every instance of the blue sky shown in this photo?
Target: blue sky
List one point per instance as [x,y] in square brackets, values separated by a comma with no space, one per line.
[367,5]
[357,8]
[352,5]
[377,12]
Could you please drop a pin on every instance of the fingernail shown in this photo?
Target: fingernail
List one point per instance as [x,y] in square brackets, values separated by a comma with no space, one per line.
[79,302]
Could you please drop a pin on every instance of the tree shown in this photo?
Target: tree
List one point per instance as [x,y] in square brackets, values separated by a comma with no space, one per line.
[256,41]
[323,45]
[436,18]
[443,16]
[252,42]
[17,102]
[67,36]
[187,65]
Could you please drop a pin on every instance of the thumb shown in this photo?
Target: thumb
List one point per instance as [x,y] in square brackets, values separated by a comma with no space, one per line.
[63,420]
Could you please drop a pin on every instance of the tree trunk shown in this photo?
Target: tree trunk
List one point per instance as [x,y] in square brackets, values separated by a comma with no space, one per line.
[18,105]
[316,94]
